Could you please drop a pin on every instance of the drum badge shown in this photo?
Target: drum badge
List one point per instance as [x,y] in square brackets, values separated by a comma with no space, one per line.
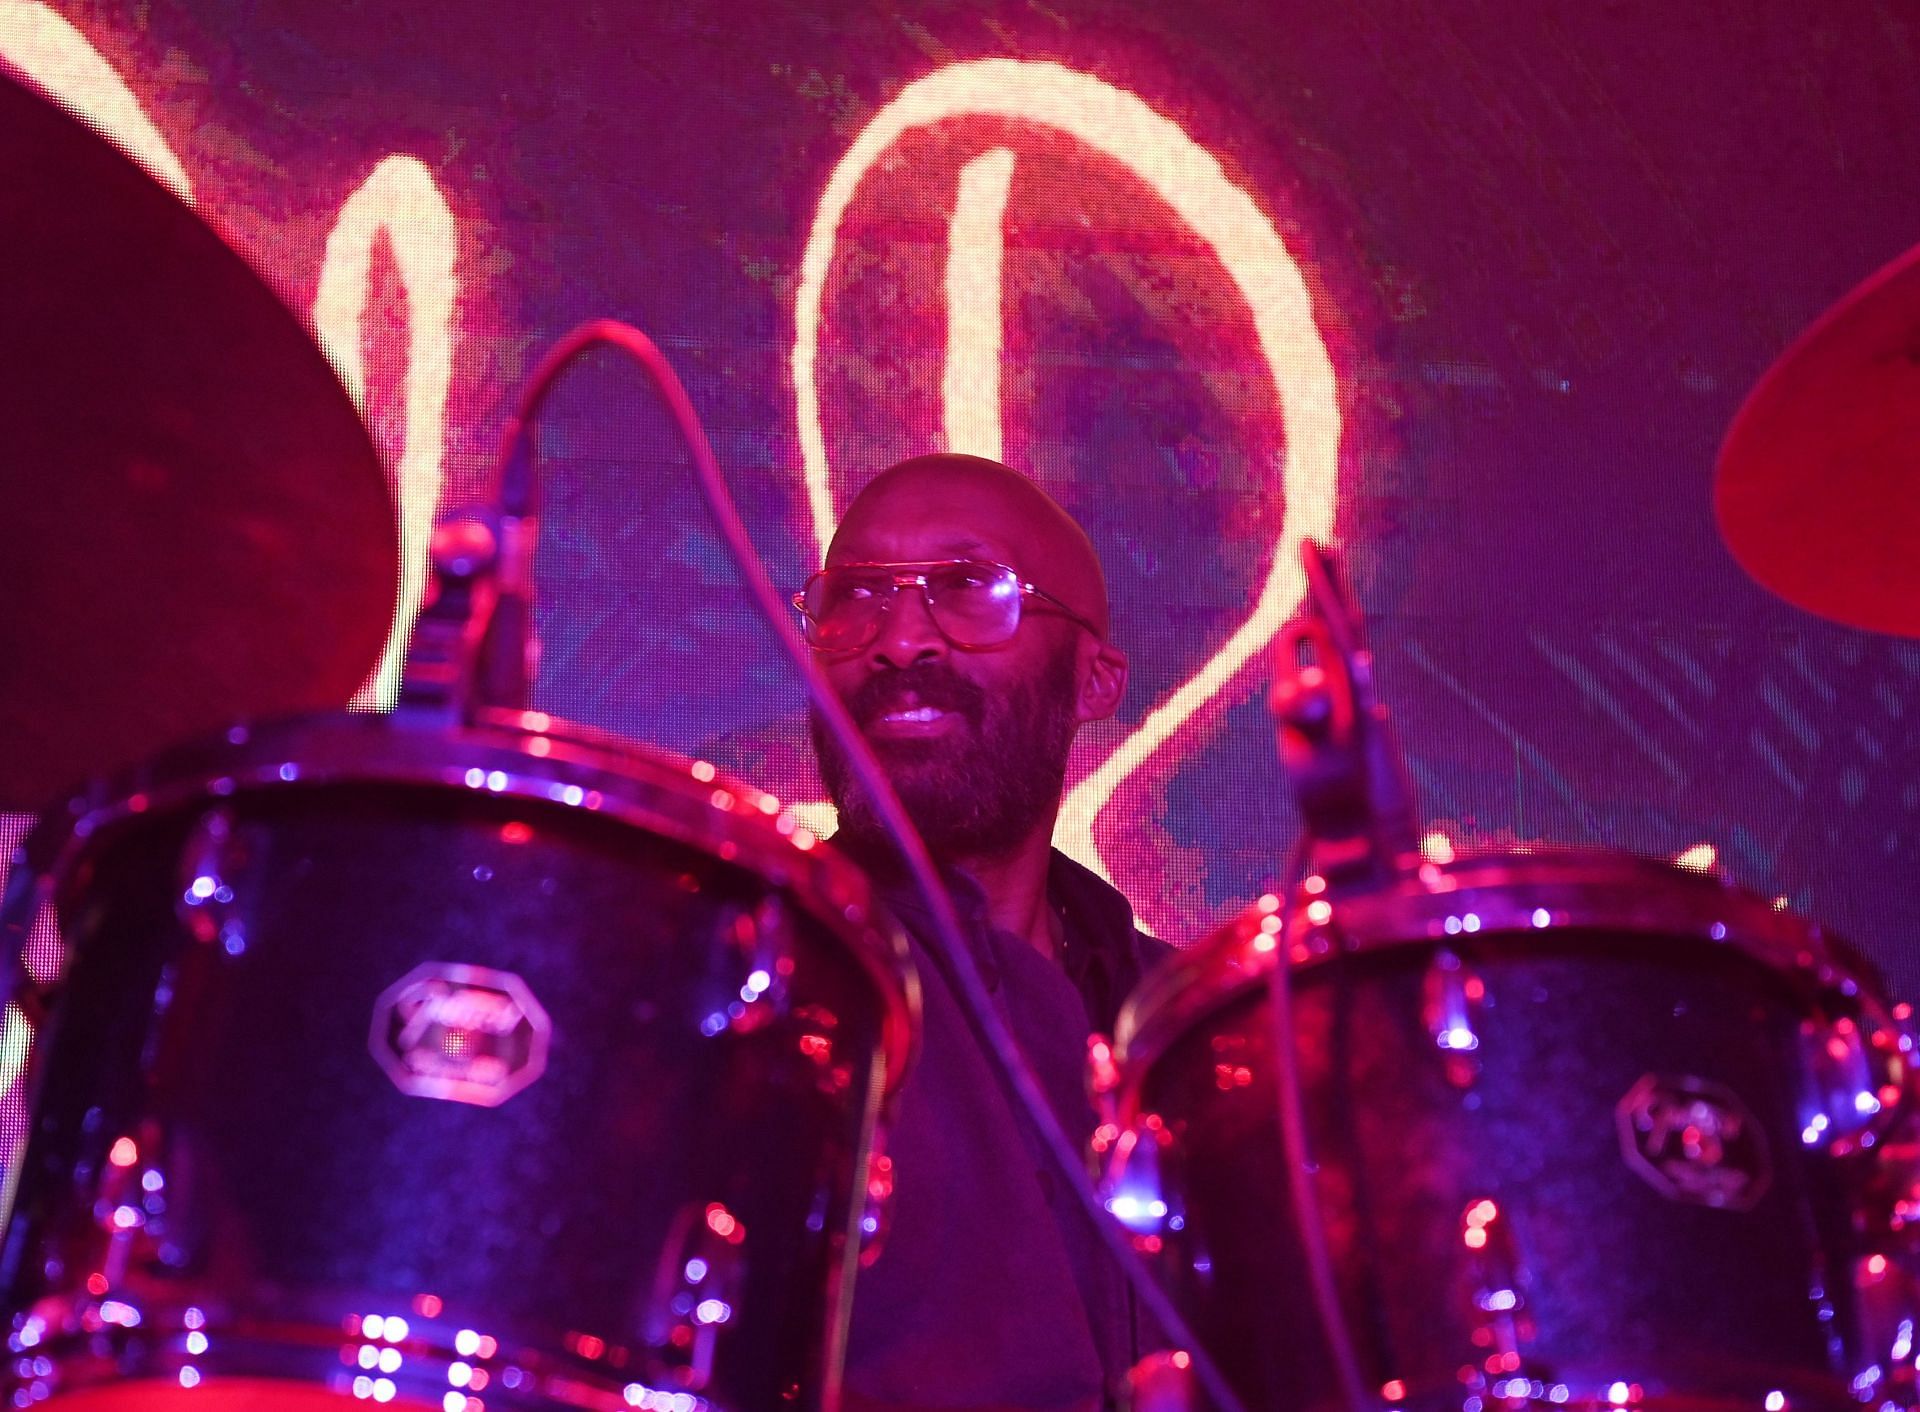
[465,1034]
[1694,1140]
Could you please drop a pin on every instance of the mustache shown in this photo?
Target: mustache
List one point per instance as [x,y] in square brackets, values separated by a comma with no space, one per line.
[930,683]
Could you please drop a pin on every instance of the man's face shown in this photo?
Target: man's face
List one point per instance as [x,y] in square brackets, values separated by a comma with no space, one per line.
[974,741]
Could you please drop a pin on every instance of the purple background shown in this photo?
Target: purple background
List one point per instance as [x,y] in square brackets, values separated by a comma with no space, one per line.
[1550,246]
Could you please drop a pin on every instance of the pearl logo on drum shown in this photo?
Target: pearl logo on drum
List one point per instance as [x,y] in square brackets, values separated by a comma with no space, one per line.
[1693,1140]
[465,1034]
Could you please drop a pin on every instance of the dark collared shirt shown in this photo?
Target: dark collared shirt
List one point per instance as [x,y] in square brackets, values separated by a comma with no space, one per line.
[991,1292]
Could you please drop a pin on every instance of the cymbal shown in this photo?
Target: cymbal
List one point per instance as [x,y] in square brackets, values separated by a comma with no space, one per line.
[1818,483]
[194,525]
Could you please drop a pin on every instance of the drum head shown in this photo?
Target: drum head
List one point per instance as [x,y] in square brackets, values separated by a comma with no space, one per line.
[1540,896]
[524,756]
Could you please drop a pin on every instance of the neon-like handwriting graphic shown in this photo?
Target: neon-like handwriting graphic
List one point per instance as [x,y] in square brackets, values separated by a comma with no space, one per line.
[59,60]
[401,199]
[976,253]
[1190,180]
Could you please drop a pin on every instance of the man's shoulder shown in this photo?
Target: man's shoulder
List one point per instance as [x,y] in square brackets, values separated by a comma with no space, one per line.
[1102,909]
[1151,948]
[1095,903]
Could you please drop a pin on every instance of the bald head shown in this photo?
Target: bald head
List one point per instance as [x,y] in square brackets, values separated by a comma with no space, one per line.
[974,738]
[951,506]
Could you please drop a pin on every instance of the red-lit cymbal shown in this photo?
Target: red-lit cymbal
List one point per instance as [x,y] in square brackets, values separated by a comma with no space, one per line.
[1818,484]
[194,526]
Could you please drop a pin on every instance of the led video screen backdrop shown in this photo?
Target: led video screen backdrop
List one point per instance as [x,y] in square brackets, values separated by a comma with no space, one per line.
[1472,287]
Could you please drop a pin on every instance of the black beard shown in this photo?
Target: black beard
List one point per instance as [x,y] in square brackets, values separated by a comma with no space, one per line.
[973,794]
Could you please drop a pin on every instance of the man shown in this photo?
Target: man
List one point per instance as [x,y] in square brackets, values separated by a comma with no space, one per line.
[962,617]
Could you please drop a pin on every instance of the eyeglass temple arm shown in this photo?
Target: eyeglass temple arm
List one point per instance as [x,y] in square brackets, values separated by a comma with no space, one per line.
[1064,607]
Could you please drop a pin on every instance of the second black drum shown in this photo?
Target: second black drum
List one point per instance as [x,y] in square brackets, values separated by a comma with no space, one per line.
[1585,1129]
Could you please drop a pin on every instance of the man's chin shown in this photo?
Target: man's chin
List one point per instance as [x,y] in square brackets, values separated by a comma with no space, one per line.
[930,789]
[918,752]
[926,781]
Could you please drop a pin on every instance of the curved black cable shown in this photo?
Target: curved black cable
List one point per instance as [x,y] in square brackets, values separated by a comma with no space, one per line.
[1008,1063]
[1309,1224]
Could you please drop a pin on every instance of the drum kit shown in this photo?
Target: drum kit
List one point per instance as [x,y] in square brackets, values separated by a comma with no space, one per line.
[461,1058]
[452,1058]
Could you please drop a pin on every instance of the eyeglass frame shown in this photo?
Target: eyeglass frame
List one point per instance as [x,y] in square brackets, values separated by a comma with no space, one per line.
[919,580]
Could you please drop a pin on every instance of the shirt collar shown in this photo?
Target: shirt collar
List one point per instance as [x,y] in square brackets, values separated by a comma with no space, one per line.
[1101,952]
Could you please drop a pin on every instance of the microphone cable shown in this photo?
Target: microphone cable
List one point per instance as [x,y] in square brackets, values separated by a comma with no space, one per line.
[956,961]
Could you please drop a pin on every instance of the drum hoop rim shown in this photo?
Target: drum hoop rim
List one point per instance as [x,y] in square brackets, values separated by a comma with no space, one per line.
[1222,966]
[823,882]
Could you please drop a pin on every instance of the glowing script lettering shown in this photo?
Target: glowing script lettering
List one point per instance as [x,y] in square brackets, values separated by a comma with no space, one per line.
[56,58]
[976,252]
[1190,180]
[401,199]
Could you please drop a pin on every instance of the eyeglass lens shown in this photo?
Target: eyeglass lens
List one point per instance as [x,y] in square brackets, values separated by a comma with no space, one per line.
[973,604]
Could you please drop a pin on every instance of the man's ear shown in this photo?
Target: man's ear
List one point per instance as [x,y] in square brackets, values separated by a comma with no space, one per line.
[1103,681]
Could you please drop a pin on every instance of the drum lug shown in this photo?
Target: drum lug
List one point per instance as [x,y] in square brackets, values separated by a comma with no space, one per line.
[876,1215]
[1452,997]
[1125,1162]
[1854,1077]
[1163,1382]
[1129,1183]
[210,863]
[130,1226]
[697,1290]
[1886,1277]
[761,941]
[1103,1093]
[1885,1295]
[1499,1317]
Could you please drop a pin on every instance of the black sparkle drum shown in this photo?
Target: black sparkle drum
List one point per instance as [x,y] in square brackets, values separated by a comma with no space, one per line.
[473,1069]
[1588,1130]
